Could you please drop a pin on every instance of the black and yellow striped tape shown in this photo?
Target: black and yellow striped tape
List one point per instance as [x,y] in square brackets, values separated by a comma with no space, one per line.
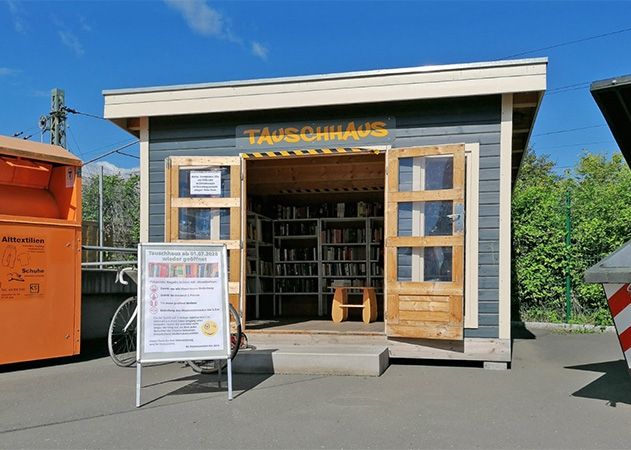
[319,151]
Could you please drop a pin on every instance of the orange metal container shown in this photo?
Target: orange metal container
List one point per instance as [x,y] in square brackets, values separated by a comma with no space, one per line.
[40,251]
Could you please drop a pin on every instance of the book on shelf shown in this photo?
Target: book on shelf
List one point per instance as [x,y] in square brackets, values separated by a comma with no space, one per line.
[377,283]
[250,267]
[376,234]
[355,282]
[296,228]
[296,285]
[344,269]
[376,269]
[296,254]
[266,268]
[327,210]
[376,253]
[344,253]
[297,269]
[343,236]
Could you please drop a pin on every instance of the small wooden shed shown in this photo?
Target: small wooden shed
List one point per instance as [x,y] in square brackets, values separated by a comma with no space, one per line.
[393,183]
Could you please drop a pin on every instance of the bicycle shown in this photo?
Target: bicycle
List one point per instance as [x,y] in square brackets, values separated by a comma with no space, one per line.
[121,336]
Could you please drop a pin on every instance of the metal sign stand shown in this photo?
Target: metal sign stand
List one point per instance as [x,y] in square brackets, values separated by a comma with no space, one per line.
[182,356]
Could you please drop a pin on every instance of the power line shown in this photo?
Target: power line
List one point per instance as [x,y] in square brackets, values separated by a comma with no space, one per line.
[568,130]
[99,148]
[572,42]
[74,111]
[116,150]
[127,154]
[75,140]
[576,144]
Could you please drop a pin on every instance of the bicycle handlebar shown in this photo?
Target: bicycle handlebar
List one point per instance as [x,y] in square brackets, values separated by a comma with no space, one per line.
[120,275]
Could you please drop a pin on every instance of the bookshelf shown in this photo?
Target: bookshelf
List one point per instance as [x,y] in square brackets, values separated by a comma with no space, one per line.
[259,260]
[296,256]
[310,249]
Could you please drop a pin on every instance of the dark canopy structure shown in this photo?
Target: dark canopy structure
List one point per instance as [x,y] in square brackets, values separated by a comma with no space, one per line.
[613,97]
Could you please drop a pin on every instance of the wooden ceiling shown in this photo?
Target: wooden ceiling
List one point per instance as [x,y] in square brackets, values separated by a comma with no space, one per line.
[335,173]
[525,106]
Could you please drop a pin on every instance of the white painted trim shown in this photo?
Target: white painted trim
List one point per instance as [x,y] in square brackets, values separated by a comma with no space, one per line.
[144,179]
[331,76]
[506,147]
[380,86]
[472,211]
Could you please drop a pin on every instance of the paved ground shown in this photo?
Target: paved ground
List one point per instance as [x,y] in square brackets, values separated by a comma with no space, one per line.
[564,391]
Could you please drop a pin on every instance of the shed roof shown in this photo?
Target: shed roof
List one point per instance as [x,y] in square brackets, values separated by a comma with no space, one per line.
[613,97]
[36,150]
[524,78]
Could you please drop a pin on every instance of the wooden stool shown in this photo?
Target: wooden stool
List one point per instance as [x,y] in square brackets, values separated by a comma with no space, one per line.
[339,310]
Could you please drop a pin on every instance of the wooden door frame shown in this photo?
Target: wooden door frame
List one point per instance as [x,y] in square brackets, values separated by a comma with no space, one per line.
[302,154]
[173,201]
[393,242]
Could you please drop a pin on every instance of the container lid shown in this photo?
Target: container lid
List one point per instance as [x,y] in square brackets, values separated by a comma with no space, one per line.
[38,151]
[615,268]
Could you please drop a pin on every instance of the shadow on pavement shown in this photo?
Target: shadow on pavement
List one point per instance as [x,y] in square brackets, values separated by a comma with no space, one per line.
[519,331]
[209,384]
[614,386]
[90,350]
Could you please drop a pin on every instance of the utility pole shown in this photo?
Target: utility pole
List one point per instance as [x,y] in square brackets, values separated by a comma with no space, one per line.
[58,118]
[101,217]
[568,247]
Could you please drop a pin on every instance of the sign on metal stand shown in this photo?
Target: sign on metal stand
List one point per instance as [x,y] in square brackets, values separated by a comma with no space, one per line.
[183,310]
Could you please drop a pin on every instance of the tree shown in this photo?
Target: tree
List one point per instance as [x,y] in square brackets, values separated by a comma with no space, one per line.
[538,236]
[121,208]
[601,213]
[600,192]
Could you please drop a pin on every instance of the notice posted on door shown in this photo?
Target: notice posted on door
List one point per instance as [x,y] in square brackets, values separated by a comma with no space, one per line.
[183,308]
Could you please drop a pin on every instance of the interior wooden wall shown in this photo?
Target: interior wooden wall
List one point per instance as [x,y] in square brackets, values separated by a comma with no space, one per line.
[274,176]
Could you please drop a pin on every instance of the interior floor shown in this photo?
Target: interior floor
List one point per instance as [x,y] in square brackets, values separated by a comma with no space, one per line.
[313,223]
[315,325]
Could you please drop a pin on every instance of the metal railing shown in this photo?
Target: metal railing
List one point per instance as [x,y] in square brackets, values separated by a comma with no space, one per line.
[102,263]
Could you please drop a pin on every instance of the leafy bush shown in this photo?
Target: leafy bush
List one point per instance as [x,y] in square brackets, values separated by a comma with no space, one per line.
[600,193]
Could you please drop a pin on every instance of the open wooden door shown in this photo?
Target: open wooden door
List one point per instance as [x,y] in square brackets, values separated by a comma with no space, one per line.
[424,246]
[203,205]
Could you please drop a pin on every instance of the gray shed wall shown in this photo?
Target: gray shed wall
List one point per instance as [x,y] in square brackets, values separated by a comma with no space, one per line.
[467,120]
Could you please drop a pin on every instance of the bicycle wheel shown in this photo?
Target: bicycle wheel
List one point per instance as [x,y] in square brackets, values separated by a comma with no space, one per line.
[236,335]
[121,343]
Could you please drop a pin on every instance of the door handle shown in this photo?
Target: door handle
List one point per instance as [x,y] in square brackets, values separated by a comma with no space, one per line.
[457,218]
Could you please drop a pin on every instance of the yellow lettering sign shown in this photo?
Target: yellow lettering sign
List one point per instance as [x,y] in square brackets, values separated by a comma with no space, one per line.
[346,132]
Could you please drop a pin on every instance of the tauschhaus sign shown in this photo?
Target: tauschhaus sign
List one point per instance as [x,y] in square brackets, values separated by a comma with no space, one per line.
[322,134]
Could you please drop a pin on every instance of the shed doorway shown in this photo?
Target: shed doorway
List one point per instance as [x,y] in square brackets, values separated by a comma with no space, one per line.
[313,223]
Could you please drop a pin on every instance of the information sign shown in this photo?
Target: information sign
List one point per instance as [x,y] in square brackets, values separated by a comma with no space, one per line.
[205,182]
[183,304]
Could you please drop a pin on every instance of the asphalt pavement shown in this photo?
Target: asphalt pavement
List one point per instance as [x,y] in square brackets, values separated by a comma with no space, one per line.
[563,391]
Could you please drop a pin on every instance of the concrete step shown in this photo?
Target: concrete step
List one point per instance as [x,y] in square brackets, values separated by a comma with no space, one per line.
[363,360]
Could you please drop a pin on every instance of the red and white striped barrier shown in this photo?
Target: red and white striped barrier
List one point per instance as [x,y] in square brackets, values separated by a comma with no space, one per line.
[619,299]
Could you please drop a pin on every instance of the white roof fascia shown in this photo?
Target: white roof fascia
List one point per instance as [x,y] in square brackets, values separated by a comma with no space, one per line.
[458,80]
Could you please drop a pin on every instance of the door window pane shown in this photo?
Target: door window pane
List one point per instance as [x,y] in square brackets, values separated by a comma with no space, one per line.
[426,173]
[439,173]
[438,262]
[204,223]
[404,264]
[437,220]
[425,218]
[418,264]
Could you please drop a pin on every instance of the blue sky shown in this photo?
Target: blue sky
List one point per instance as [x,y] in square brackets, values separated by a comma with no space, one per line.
[86,47]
